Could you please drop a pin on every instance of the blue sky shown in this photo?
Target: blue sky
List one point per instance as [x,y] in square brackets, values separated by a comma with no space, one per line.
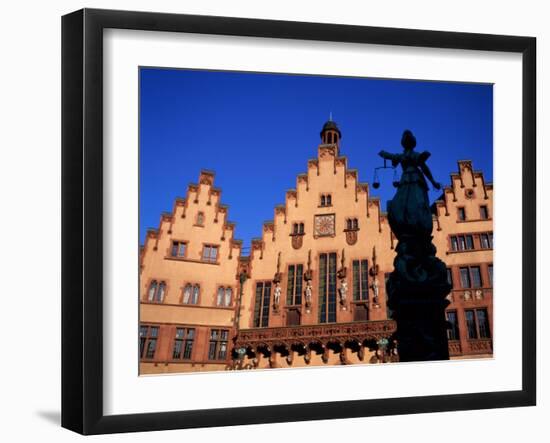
[257,131]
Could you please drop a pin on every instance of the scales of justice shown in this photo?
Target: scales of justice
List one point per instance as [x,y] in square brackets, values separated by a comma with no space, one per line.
[376,179]
[417,288]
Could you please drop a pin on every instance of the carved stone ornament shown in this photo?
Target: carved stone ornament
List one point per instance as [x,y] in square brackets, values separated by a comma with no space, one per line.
[307,356]
[290,358]
[322,333]
[206,180]
[297,241]
[324,357]
[469,193]
[361,353]
[351,237]
[280,210]
[327,151]
[343,358]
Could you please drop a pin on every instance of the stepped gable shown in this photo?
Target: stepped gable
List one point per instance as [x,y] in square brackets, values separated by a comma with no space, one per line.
[201,206]
[328,163]
[466,185]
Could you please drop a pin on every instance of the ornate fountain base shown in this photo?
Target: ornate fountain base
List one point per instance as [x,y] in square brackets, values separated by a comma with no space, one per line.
[417,291]
[421,330]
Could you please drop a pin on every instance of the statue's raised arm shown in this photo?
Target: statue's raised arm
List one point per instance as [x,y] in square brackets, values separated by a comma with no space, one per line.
[395,158]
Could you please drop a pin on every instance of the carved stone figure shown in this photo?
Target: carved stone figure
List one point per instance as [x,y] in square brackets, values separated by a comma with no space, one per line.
[308,293]
[417,287]
[343,290]
[375,285]
[276,295]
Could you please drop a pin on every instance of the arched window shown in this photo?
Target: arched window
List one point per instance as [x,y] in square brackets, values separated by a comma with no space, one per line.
[195,298]
[355,224]
[200,218]
[323,200]
[191,294]
[329,200]
[160,292]
[301,228]
[156,291]
[152,290]
[219,299]
[187,294]
[228,294]
[348,224]
[295,228]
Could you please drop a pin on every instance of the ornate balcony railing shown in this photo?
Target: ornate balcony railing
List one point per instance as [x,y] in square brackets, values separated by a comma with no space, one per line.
[322,333]
[455,348]
[481,346]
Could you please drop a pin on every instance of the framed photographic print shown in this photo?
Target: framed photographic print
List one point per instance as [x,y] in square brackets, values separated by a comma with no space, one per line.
[307,221]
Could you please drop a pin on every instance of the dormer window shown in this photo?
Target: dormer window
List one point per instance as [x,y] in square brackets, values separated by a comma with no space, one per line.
[326,200]
[298,228]
[352,224]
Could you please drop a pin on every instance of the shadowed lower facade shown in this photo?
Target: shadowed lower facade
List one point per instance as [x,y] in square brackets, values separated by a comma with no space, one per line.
[312,289]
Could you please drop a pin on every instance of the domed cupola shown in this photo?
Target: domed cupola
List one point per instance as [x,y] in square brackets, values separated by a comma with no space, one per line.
[330,134]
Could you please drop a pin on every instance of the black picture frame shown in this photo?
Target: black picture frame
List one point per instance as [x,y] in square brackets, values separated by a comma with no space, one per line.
[82,216]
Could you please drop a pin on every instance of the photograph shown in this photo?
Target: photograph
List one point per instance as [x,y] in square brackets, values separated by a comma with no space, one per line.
[289,221]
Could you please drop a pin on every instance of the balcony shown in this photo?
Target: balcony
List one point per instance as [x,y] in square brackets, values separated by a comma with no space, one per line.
[322,333]
[346,342]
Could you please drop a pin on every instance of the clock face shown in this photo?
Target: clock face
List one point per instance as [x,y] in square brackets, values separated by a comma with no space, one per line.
[324,225]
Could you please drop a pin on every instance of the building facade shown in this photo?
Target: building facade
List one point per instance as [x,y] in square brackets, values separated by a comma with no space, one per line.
[312,289]
[188,285]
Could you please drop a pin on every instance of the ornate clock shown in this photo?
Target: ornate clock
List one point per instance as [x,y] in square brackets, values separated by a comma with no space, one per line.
[324,225]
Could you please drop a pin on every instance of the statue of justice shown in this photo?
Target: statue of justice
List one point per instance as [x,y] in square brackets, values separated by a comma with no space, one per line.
[418,286]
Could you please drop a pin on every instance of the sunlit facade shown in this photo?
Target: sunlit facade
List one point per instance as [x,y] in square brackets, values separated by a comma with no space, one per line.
[311,291]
